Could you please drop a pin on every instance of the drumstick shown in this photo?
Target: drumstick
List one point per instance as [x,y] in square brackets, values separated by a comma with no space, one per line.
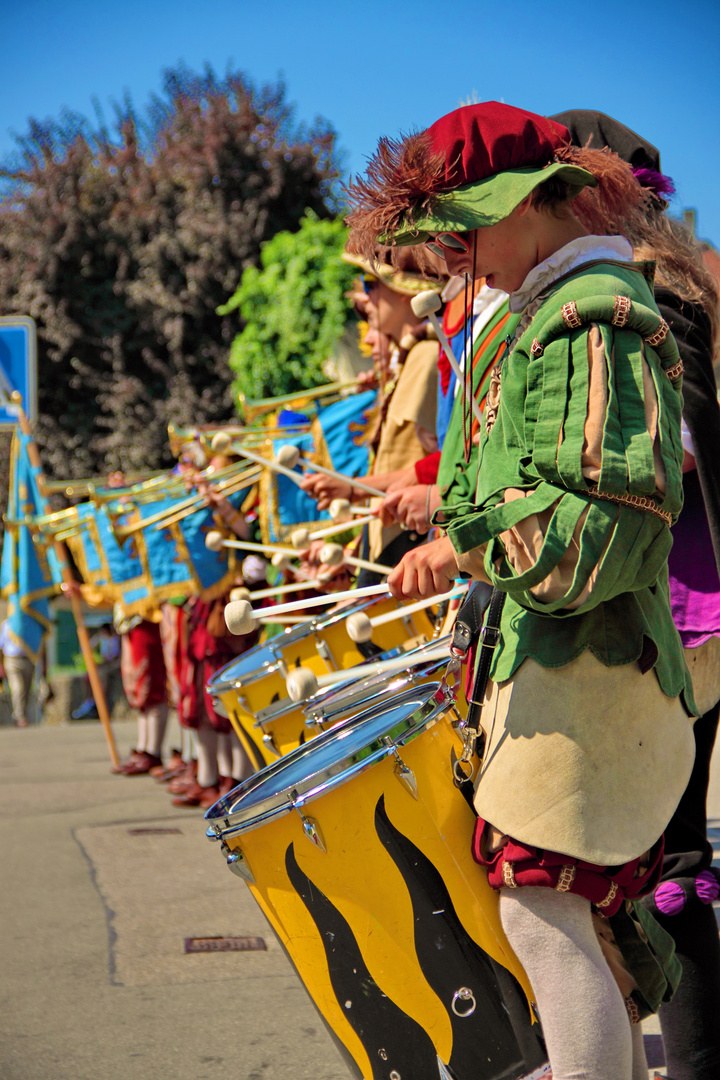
[286,620]
[334,554]
[289,456]
[240,616]
[242,593]
[302,538]
[302,683]
[360,627]
[424,305]
[269,463]
[215,540]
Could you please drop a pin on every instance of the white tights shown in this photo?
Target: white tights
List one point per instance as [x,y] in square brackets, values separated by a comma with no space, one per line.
[151,729]
[584,1020]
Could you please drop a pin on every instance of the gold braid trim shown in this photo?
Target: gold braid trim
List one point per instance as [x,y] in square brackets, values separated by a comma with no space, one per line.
[509,876]
[567,876]
[632,1010]
[570,315]
[610,896]
[637,502]
[621,310]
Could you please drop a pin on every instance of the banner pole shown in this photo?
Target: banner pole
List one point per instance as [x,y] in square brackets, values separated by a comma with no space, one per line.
[71,589]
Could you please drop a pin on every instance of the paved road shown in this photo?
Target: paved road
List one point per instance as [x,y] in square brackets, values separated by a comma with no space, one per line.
[102,882]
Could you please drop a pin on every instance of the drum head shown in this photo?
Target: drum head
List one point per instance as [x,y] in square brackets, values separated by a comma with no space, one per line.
[329,760]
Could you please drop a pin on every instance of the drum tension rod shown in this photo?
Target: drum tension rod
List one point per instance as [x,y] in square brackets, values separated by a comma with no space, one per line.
[403,772]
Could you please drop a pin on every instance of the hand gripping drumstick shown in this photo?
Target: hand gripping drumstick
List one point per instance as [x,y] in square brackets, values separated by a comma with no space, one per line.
[302,538]
[302,683]
[360,627]
[424,305]
[290,456]
[240,617]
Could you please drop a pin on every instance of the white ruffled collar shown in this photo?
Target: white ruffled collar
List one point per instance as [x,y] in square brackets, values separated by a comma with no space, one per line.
[567,258]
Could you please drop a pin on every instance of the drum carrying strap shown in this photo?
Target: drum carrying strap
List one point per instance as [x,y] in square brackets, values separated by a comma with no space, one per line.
[489,638]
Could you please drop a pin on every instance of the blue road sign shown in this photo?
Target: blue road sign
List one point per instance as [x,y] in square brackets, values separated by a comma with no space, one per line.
[18,368]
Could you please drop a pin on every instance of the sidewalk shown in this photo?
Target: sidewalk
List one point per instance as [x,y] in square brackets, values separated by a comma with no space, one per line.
[103,880]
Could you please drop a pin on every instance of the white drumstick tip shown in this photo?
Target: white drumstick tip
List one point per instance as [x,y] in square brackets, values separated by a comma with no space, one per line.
[426,303]
[340,510]
[240,593]
[300,539]
[280,560]
[301,684]
[239,617]
[359,627]
[288,456]
[214,541]
[331,554]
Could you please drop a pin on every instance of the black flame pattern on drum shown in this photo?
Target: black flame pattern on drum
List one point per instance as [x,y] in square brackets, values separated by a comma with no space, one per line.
[393,1041]
[497,1042]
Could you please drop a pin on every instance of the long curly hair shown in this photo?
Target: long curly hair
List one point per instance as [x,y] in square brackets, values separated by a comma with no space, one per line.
[621,205]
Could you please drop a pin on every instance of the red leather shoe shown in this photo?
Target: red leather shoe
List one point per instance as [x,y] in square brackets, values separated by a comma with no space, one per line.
[184,780]
[123,764]
[142,764]
[198,795]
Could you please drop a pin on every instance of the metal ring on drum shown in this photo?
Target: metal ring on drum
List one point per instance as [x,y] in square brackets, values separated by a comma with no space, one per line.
[357,848]
[255,679]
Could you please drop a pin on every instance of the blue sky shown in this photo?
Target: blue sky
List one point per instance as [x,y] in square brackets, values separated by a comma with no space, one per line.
[384,68]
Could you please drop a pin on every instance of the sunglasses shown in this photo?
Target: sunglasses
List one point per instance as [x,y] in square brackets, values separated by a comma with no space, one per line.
[446,241]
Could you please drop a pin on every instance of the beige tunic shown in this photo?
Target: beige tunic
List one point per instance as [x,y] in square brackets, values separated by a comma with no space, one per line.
[604,756]
[414,402]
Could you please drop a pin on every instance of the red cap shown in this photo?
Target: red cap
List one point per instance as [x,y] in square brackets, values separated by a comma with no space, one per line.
[482,140]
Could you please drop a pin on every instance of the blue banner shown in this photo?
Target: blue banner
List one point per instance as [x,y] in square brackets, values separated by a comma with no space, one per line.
[29,571]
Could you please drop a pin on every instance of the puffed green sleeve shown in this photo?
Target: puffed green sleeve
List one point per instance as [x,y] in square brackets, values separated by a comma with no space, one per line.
[580,474]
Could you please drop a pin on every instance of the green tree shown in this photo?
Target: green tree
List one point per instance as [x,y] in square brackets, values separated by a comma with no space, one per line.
[294,308]
[122,241]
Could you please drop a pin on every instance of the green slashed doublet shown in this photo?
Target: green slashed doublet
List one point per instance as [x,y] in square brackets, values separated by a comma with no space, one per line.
[579,479]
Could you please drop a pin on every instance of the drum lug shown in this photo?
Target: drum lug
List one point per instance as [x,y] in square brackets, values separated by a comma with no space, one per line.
[312,831]
[238,864]
[403,772]
[270,744]
[211,834]
[310,826]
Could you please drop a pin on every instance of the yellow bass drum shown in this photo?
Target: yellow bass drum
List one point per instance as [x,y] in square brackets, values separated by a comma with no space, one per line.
[356,846]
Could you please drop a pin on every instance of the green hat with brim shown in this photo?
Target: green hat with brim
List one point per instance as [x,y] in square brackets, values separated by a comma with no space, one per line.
[485,202]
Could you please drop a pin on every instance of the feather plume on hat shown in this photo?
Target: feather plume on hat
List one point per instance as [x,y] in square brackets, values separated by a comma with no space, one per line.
[402,178]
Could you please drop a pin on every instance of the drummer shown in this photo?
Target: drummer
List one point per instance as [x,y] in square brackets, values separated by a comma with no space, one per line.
[401,428]
[588,721]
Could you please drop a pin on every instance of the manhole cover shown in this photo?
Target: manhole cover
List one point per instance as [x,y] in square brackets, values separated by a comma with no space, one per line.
[224,944]
[153,832]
